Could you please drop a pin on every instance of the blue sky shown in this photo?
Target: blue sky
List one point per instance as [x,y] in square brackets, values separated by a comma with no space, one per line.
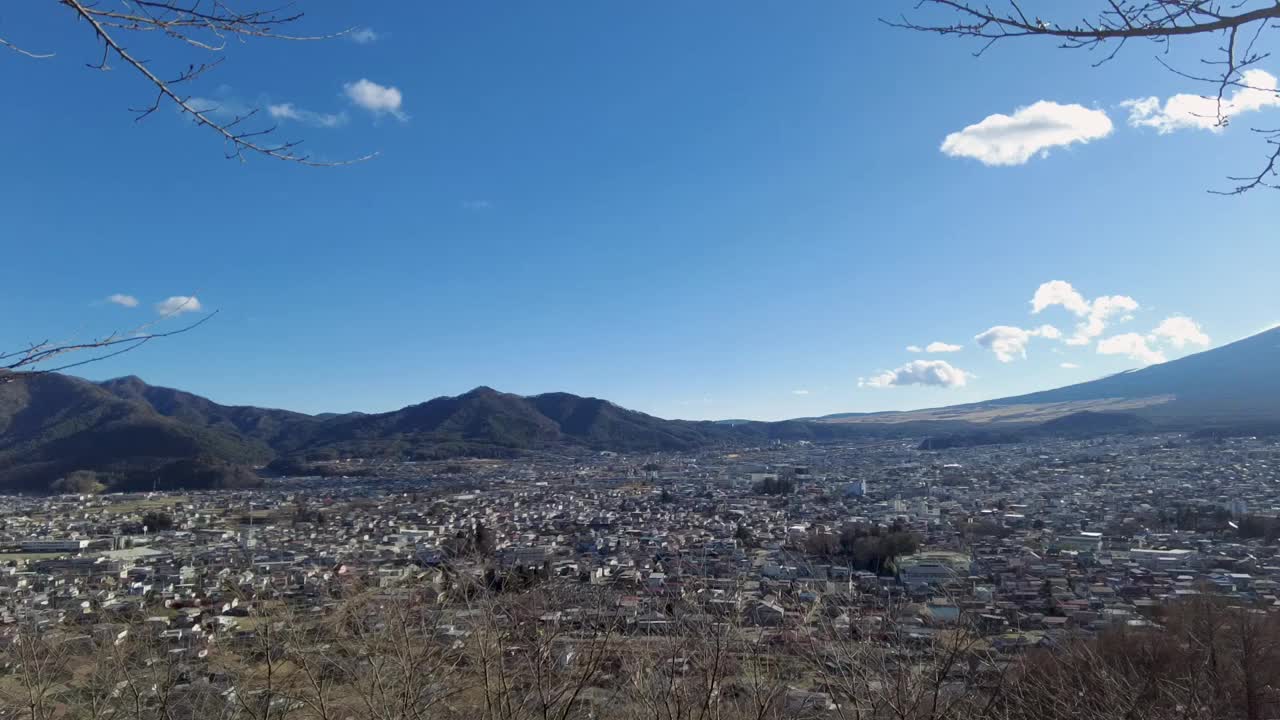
[703,210]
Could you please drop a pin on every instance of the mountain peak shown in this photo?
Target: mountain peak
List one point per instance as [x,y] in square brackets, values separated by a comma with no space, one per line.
[54,424]
[1236,382]
[126,380]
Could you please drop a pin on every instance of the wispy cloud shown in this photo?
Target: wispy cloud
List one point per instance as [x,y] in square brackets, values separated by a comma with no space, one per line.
[224,108]
[363,36]
[1101,311]
[935,373]
[229,106]
[1069,366]
[123,300]
[937,346]
[377,99]
[477,205]
[178,304]
[1258,90]
[1029,131]
[1009,343]
[289,111]
[799,392]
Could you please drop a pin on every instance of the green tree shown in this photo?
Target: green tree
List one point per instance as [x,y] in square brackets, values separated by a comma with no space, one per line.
[156,521]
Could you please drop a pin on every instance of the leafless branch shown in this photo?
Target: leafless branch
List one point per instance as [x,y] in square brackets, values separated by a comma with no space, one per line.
[23,363]
[1240,23]
[20,51]
[205,25]
[1147,19]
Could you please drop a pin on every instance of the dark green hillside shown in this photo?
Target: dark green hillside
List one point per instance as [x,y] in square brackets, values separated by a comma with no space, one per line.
[51,425]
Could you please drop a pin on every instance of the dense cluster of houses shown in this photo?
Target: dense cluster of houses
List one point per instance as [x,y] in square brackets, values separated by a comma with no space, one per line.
[1023,543]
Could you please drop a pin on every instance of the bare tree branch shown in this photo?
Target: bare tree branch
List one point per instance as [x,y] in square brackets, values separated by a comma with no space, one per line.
[205,25]
[23,363]
[20,51]
[1241,24]
[1149,19]
[172,23]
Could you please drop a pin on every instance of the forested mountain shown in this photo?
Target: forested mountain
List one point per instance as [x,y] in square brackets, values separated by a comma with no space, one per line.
[52,425]
[137,435]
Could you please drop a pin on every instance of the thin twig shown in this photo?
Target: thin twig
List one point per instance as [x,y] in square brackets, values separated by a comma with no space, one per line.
[23,362]
[20,51]
[176,20]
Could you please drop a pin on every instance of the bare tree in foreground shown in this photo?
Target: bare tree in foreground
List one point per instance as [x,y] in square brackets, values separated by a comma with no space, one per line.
[205,27]
[1107,26]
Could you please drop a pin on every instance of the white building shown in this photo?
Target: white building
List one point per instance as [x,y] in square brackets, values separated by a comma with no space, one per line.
[58,545]
[1163,558]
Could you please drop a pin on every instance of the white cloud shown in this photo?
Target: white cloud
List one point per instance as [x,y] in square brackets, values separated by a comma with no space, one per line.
[1176,331]
[1096,313]
[1015,139]
[1101,310]
[799,392]
[123,300]
[363,36]
[226,108]
[936,373]
[289,111]
[1048,331]
[1007,342]
[1133,346]
[1059,292]
[1069,366]
[937,346]
[1180,331]
[1197,112]
[377,99]
[1010,343]
[177,305]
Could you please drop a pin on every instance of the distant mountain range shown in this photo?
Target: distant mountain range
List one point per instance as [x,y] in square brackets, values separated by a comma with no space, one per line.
[1234,384]
[139,436]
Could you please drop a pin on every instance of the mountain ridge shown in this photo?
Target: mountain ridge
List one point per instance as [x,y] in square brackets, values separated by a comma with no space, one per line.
[1229,383]
[140,435]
